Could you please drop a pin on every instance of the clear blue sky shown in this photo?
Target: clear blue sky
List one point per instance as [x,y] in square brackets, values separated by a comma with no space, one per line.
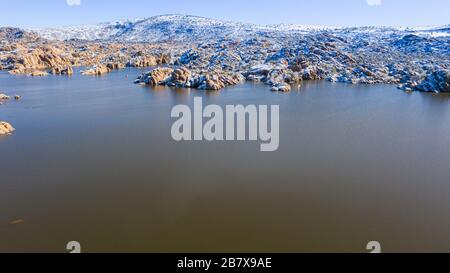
[47,13]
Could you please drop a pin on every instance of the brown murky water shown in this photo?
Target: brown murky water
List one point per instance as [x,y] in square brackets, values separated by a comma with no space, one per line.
[92,160]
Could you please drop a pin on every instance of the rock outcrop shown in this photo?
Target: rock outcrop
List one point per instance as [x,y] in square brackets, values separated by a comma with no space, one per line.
[4,97]
[157,76]
[115,66]
[68,70]
[183,77]
[96,70]
[41,58]
[436,81]
[216,80]
[39,73]
[142,61]
[281,87]
[6,128]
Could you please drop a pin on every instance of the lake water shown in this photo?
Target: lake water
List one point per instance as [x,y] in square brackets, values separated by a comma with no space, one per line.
[93,161]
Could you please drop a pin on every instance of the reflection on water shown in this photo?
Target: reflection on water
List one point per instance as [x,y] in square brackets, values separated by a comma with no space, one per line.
[92,160]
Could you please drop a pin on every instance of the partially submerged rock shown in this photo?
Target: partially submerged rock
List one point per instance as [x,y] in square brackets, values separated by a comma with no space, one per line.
[6,128]
[17,222]
[157,76]
[36,59]
[96,70]
[183,77]
[115,66]
[437,81]
[39,73]
[17,71]
[4,97]
[278,77]
[62,70]
[258,73]
[281,87]
[101,69]
[218,80]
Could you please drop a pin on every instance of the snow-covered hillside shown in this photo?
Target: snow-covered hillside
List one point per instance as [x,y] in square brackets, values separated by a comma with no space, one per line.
[180,28]
[171,28]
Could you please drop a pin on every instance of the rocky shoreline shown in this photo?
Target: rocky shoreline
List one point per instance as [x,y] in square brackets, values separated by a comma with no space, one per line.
[355,56]
[183,77]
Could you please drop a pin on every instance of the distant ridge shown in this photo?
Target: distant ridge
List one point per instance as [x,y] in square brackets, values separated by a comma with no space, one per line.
[171,27]
[187,28]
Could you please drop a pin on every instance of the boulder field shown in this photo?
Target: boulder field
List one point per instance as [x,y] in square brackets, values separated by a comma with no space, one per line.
[183,77]
[412,60]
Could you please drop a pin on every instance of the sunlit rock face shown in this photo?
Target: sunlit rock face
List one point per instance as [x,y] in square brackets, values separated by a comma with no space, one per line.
[6,128]
[183,77]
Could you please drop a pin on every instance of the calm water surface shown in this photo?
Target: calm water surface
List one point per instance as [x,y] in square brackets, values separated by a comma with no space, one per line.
[92,160]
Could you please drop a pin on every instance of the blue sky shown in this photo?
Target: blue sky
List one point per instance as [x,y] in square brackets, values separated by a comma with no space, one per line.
[47,13]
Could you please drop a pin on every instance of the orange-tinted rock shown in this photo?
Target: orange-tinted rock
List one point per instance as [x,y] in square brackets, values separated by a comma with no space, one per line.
[39,73]
[181,76]
[96,70]
[62,71]
[157,76]
[6,128]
